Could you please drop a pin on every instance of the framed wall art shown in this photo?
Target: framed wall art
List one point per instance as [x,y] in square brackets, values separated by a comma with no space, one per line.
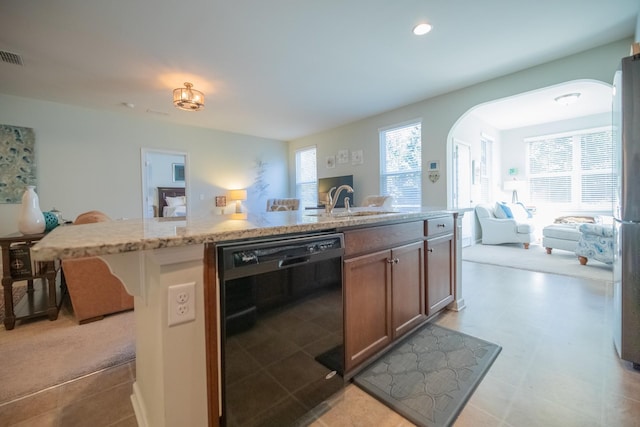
[177,172]
[343,156]
[331,162]
[356,157]
[17,162]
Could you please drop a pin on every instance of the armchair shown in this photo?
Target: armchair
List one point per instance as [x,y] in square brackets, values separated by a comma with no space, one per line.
[378,201]
[500,225]
[283,205]
[93,289]
[596,242]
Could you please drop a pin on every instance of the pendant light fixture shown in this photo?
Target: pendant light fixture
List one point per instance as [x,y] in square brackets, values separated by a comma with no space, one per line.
[188,99]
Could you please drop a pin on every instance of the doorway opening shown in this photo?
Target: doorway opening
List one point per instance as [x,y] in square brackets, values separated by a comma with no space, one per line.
[163,169]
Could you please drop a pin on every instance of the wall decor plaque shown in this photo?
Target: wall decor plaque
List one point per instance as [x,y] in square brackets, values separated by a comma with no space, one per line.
[343,156]
[17,162]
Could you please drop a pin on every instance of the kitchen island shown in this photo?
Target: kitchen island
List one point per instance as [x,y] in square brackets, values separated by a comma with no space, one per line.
[177,367]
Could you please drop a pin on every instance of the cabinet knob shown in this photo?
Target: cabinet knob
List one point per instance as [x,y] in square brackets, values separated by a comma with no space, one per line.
[441,226]
[393,260]
[430,250]
[396,260]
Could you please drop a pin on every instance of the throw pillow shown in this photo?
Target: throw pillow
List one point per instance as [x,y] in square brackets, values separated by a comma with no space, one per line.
[502,211]
[173,202]
[574,219]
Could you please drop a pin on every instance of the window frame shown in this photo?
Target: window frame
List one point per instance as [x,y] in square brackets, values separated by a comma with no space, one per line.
[311,199]
[575,193]
[487,144]
[414,174]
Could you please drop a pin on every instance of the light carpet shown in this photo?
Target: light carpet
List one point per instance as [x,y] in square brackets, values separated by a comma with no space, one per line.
[536,259]
[40,353]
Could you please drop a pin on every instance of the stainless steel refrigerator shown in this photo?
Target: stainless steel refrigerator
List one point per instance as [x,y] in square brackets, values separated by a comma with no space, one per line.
[626,265]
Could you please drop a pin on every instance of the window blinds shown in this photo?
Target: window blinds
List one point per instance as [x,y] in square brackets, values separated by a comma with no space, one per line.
[574,170]
[306,177]
[401,164]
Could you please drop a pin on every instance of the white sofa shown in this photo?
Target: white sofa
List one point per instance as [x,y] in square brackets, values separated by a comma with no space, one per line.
[561,236]
[565,232]
[505,223]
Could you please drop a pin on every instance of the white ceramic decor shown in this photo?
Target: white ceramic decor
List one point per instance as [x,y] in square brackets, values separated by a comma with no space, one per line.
[31,218]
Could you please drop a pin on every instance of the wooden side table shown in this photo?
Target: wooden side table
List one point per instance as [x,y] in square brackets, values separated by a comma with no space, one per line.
[43,297]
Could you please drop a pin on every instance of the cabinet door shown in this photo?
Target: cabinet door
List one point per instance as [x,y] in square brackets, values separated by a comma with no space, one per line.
[439,266]
[367,296]
[407,287]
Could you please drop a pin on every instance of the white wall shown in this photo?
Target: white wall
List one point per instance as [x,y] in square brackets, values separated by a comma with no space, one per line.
[441,113]
[88,159]
[509,146]
[161,169]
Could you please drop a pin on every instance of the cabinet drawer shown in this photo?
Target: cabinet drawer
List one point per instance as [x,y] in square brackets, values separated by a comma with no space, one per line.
[381,237]
[438,226]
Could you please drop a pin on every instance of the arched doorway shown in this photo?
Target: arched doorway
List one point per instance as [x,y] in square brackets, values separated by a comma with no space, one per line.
[494,133]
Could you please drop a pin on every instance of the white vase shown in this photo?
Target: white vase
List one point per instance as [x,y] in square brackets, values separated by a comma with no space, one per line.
[31,219]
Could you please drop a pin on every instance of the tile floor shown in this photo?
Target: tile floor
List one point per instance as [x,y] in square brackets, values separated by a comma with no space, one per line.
[98,400]
[558,366]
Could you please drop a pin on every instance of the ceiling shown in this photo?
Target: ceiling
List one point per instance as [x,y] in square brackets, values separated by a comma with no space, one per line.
[284,69]
[534,108]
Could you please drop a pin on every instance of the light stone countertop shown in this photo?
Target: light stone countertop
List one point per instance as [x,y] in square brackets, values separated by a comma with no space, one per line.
[75,241]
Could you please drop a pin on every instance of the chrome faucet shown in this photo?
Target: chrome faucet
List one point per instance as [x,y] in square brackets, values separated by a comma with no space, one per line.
[328,200]
[332,198]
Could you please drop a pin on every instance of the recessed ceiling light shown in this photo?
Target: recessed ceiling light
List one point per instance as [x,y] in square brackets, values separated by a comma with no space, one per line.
[567,99]
[422,29]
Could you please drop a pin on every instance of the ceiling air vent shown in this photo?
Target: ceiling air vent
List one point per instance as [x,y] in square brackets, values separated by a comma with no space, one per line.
[10,58]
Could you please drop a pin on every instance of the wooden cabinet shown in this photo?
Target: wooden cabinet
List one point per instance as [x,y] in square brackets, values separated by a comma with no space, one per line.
[407,288]
[367,306]
[439,263]
[383,288]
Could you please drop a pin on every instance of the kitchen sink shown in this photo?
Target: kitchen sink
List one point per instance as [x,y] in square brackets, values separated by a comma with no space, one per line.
[353,213]
[363,213]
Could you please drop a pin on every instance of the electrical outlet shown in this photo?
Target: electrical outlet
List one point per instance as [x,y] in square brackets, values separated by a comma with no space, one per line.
[181,303]
[182,297]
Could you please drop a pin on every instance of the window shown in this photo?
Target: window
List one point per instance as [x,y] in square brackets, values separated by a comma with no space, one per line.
[401,164]
[572,170]
[486,158]
[306,177]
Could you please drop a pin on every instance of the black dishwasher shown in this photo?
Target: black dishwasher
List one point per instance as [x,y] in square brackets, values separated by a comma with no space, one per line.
[281,317]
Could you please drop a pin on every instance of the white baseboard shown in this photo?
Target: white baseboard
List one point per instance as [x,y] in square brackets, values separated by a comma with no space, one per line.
[138,407]
[457,305]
